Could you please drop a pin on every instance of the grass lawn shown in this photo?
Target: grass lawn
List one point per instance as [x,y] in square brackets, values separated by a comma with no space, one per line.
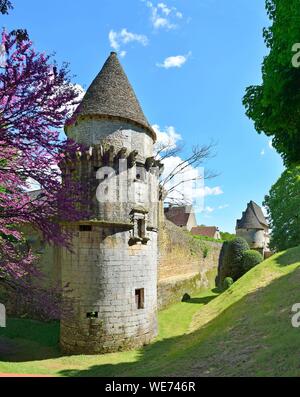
[245,331]
[28,346]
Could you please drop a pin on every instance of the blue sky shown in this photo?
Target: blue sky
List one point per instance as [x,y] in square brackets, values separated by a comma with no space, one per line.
[189,62]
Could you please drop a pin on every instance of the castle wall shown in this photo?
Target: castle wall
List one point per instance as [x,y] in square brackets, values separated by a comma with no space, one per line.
[104,272]
[186,265]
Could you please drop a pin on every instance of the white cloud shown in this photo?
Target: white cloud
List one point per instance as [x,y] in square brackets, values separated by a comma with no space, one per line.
[211,191]
[162,16]
[208,209]
[164,8]
[265,211]
[127,37]
[186,189]
[80,91]
[270,146]
[189,183]
[112,36]
[166,138]
[221,207]
[123,37]
[174,61]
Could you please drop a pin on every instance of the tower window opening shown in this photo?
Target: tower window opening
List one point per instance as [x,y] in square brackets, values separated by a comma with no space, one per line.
[105,176]
[141,228]
[139,298]
[85,228]
[92,315]
[140,173]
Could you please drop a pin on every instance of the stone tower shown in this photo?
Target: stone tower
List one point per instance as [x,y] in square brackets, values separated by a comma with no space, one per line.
[111,272]
[253,227]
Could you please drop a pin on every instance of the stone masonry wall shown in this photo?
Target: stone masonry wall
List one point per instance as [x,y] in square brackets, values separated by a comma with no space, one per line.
[103,273]
[185,264]
[119,133]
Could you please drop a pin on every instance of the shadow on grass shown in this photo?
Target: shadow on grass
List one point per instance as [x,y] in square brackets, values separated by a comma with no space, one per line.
[240,341]
[288,257]
[203,300]
[28,340]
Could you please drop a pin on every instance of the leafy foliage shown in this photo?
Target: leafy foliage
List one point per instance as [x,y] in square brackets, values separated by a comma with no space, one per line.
[206,238]
[227,282]
[225,236]
[251,258]
[274,106]
[231,261]
[283,207]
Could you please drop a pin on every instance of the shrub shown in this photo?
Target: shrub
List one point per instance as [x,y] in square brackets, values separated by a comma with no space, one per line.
[205,251]
[186,297]
[227,282]
[231,260]
[251,258]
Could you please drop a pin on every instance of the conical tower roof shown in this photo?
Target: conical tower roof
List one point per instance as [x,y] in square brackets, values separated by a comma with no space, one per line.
[253,218]
[111,95]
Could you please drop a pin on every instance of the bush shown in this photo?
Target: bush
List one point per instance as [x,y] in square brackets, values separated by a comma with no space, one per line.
[186,297]
[227,282]
[251,258]
[205,251]
[231,260]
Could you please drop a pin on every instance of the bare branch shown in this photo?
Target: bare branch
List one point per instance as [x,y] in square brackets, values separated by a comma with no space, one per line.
[199,155]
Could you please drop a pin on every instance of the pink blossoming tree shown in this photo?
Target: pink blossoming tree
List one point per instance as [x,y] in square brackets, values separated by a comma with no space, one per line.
[36,98]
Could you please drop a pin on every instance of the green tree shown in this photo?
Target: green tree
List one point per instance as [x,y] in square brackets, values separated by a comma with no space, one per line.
[225,236]
[283,206]
[274,106]
[231,259]
[250,259]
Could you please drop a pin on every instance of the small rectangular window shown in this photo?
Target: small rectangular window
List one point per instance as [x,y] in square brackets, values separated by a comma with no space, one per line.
[141,228]
[85,228]
[139,298]
[140,173]
[92,315]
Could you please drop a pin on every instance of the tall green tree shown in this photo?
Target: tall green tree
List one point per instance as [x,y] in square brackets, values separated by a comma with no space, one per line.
[283,206]
[274,106]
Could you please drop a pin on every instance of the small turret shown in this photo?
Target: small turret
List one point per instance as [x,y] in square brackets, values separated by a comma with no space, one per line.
[253,227]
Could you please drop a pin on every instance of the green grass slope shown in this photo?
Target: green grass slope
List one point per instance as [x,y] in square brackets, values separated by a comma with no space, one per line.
[245,331]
